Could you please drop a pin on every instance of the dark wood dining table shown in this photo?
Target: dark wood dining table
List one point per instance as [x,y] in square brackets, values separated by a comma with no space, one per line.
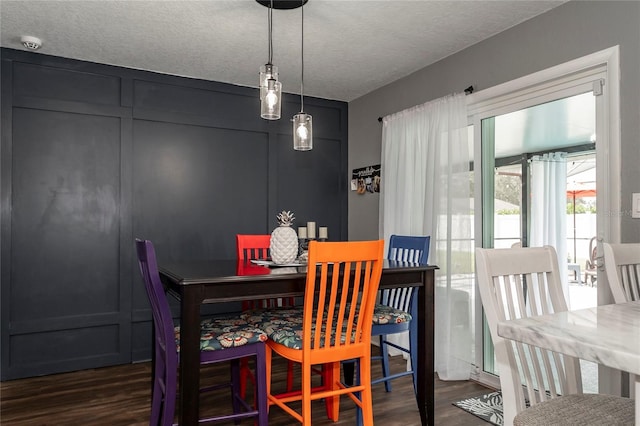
[222,281]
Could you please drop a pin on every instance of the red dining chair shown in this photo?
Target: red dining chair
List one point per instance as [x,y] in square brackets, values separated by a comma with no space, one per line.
[255,247]
[221,339]
[252,247]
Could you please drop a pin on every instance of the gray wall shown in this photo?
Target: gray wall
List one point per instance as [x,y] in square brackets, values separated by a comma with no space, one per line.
[93,156]
[573,30]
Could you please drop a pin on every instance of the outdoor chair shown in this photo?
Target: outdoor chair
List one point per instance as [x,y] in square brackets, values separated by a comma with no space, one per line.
[591,265]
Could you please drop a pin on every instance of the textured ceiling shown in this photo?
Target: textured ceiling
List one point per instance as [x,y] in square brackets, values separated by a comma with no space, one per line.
[352,47]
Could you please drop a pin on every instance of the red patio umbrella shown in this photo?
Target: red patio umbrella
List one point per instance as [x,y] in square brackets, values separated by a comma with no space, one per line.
[579,190]
[579,193]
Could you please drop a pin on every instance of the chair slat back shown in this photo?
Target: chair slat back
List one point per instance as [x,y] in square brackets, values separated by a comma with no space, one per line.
[252,246]
[405,248]
[622,264]
[162,317]
[518,283]
[341,287]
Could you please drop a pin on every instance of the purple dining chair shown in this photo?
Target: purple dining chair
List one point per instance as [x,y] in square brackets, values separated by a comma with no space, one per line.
[219,342]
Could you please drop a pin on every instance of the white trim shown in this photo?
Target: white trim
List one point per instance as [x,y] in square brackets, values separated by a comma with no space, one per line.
[485,378]
[610,156]
[535,93]
[550,76]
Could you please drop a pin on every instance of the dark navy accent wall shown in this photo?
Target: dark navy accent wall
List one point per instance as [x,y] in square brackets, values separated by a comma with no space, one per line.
[93,156]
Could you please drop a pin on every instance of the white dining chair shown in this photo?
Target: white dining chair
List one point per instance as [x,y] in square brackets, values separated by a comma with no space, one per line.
[539,387]
[622,266]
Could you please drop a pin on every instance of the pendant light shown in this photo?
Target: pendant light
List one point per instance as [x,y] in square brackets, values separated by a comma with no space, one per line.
[270,87]
[302,122]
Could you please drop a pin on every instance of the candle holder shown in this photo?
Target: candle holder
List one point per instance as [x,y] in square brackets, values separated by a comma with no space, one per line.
[303,246]
[311,230]
[323,233]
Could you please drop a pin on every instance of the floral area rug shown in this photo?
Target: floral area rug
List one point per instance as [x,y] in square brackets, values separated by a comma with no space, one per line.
[487,407]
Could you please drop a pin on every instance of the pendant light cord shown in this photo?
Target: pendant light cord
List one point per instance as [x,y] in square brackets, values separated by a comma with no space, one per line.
[302,61]
[270,19]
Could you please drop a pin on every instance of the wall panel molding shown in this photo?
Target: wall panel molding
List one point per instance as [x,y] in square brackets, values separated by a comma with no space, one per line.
[93,156]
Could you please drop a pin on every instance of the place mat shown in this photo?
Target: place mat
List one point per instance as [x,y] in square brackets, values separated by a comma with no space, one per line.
[271,263]
[487,407]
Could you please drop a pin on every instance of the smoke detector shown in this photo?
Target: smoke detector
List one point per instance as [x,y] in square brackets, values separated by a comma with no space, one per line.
[31,43]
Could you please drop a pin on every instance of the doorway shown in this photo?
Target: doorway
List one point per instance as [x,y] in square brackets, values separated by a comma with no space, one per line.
[537,151]
[539,107]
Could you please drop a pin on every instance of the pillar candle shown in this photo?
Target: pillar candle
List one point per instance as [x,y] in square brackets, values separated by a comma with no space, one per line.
[323,233]
[311,230]
[302,232]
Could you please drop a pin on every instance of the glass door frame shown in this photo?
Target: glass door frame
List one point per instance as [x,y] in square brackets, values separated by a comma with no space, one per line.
[599,71]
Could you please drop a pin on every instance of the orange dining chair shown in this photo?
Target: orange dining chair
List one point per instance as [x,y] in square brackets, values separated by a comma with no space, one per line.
[254,247]
[340,294]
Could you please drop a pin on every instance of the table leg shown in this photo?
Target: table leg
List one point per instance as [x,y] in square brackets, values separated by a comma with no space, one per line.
[189,356]
[637,391]
[425,391]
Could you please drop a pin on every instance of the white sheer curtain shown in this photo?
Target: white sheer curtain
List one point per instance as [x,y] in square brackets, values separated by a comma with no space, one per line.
[548,177]
[426,190]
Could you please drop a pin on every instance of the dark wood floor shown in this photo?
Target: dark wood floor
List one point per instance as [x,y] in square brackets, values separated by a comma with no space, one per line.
[120,395]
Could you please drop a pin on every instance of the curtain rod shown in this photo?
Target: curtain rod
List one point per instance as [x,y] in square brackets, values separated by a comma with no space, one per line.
[467,91]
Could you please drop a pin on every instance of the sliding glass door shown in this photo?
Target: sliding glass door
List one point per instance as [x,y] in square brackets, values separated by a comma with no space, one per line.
[524,178]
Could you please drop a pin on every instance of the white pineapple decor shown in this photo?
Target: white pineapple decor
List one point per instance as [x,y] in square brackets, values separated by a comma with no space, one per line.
[284,240]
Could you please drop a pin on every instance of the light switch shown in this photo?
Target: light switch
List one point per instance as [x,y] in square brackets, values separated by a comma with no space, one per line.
[635,205]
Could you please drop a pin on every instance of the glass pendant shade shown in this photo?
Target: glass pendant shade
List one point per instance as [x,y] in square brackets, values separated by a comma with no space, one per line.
[302,132]
[270,92]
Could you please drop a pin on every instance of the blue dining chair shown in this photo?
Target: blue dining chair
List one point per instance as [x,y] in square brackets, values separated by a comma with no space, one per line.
[221,339]
[396,312]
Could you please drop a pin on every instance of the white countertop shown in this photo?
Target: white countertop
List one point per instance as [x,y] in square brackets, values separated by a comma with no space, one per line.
[608,335]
